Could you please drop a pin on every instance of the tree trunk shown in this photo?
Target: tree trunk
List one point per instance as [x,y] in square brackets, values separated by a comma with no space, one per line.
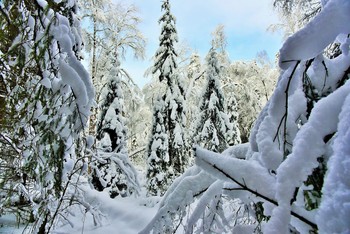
[92,120]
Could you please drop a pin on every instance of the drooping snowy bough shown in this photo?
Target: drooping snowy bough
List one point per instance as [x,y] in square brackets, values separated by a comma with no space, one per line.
[293,175]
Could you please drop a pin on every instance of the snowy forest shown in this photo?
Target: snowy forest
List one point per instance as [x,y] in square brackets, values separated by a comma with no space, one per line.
[208,145]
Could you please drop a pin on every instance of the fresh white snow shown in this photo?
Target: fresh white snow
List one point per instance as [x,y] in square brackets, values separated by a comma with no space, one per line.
[127,215]
[122,215]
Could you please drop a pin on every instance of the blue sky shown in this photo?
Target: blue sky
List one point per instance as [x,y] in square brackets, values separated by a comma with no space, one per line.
[245,22]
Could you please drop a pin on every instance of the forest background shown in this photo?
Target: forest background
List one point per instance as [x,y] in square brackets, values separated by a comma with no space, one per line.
[81,127]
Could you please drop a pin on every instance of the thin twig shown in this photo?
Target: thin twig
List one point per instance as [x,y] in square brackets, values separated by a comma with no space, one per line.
[256,193]
[286,108]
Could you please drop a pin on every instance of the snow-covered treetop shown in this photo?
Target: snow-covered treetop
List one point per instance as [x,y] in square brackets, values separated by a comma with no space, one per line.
[214,75]
[165,57]
[219,38]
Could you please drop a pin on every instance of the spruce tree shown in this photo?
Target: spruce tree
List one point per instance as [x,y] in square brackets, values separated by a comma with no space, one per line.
[112,168]
[213,128]
[158,155]
[165,68]
[232,110]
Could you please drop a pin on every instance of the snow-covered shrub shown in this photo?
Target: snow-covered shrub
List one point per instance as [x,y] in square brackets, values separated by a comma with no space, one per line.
[114,173]
[293,174]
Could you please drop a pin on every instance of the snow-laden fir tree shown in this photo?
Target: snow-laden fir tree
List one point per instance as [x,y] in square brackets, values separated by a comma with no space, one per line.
[233,115]
[112,169]
[51,93]
[213,129]
[158,155]
[219,43]
[109,26]
[164,68]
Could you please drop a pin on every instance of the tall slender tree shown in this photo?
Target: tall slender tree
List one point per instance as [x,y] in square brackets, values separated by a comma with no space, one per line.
[164,68]
[219,43]
[195,75]
[165,58]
